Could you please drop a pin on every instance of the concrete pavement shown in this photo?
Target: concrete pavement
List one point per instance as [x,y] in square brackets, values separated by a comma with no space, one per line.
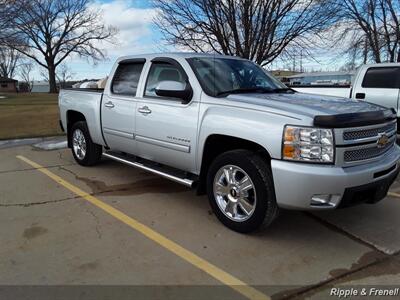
[51,236]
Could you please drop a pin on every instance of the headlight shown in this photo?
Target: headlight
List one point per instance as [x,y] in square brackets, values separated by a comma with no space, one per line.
[308,144]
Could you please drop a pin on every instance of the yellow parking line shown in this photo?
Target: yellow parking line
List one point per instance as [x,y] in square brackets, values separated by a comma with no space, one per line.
[202,264]
[394,194]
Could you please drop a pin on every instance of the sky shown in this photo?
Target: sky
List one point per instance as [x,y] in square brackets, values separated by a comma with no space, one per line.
[138,35]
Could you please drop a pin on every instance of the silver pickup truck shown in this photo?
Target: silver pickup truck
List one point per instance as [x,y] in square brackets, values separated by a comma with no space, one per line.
[226,127]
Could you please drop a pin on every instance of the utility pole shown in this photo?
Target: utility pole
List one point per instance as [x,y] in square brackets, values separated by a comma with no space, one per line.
[294,63]
[301,60]
[365,52]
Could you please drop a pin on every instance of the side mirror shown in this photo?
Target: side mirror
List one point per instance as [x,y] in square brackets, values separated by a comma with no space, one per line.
[174,89]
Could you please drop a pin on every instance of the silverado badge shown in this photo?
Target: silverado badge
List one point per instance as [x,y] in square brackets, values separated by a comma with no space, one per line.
[382,140]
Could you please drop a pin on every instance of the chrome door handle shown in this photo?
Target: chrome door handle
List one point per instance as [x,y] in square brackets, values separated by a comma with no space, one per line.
[109,104]
[144,110]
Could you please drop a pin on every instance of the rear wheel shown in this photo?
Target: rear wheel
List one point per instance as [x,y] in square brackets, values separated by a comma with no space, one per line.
[85,152]
[240,190]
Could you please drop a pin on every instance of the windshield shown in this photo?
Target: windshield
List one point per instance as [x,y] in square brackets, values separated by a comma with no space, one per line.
[223,76]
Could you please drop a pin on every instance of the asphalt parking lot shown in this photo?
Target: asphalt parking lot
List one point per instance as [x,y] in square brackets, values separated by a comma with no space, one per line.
[111,225]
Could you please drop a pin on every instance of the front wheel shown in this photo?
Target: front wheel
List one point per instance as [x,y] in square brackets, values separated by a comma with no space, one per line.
[85,152]
[240,190]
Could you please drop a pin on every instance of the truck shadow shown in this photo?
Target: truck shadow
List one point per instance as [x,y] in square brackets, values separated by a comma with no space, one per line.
[152,184]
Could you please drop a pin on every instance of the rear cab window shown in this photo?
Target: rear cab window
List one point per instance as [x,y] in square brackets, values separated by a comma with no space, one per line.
[382,77]
[126,77]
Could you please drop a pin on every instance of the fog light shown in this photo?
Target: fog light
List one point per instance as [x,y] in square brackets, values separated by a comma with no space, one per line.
[325,200]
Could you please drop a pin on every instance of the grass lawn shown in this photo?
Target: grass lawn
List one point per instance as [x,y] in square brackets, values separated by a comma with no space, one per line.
[28,115]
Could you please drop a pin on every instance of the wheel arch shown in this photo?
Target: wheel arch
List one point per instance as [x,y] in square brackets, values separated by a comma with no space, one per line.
[216,144]
[73,116]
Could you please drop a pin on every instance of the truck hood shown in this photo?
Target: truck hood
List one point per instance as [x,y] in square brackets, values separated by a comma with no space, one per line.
[307,104]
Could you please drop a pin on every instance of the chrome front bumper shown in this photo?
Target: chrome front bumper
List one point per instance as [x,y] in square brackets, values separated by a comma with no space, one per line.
[296,184]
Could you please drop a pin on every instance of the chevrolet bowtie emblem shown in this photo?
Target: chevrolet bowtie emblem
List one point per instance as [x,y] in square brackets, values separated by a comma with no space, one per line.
[382,140]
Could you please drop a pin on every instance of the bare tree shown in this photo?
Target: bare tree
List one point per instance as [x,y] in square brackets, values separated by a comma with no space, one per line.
[44,75]
[390,19]
[5,14]
[48,31]
[373,27]
[63,75]
[25,71]
[9,59]
[259,30]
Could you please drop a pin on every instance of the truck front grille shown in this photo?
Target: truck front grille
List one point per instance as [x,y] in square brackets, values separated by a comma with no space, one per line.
[368,152]
[368,133]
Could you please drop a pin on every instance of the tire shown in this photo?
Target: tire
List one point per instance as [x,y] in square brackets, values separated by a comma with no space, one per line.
[256,207]
[85,152]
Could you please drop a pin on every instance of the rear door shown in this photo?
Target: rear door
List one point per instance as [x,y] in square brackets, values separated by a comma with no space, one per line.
[165,127]
[380,85]
[119,106]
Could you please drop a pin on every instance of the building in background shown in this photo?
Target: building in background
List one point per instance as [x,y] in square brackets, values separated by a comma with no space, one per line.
[8,85]
[283,75]
[322,78]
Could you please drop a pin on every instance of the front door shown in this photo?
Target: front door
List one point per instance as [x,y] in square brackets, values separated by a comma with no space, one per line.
[119,106]
[165,127]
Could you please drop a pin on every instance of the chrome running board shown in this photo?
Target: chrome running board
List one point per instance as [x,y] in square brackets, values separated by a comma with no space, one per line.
[155,169]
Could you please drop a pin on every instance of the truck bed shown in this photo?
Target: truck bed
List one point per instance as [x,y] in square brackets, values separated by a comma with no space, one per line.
[86,102]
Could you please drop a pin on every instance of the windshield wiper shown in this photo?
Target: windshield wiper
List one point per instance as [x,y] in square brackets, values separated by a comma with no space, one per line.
[282,90]
[245,90]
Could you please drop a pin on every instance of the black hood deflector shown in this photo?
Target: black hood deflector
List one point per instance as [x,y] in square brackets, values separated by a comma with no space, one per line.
[355,119]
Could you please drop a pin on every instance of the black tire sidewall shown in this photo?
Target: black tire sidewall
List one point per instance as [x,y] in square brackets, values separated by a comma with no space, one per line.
[264,191]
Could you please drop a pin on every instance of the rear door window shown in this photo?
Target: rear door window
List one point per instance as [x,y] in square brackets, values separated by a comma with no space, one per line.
[126,78]
[382,77]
